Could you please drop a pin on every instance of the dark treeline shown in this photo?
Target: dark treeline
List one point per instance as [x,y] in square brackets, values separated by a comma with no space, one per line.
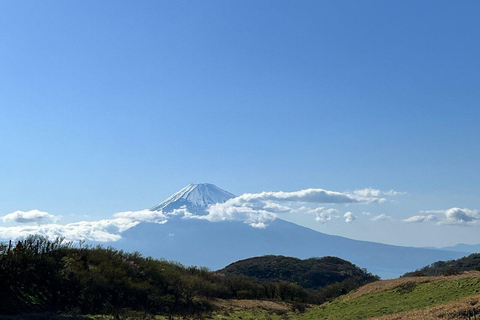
[451,267]
[312,273]
[37,275]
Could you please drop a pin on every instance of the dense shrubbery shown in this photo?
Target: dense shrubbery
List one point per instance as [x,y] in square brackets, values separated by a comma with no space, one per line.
[38,275]
[451,267]
[313,273]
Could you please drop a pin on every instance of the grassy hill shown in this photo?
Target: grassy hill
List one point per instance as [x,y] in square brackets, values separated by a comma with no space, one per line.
[445,297]
[400,295]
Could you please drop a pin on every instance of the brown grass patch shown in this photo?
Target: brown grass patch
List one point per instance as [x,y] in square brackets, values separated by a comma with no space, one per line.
[238,305]
[383,285]
[449,311]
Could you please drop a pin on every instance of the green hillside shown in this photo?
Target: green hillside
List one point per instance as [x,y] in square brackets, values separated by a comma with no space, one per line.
[383,298]
[404,297]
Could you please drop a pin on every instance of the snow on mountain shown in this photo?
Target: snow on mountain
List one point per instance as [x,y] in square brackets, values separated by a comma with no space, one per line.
[195,197]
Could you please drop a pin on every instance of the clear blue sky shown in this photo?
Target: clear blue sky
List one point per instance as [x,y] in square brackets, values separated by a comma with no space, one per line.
[113,105]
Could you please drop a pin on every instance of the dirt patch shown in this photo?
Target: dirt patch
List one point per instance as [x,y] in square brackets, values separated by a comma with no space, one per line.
[383,285]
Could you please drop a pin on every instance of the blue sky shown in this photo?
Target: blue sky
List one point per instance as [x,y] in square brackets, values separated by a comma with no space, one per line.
[108,106]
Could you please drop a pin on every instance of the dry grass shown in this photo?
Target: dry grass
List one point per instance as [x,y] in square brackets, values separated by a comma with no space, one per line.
[384,285]
[449,311]
[238,305]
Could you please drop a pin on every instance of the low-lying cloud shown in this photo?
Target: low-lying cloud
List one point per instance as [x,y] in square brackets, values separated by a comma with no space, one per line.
[451,216]
[101,230]
[258,209]
[324,215]
[254,209]
[105,230]
[144,216]
[382,217]
[32,216]
[349,217]
[421,218]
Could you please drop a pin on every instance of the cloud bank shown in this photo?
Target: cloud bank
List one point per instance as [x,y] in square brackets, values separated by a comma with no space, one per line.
[32,216]
[420,218]
[382,217]
[105,230]
[102,230]
[254,209]
[258,209]
[451,216]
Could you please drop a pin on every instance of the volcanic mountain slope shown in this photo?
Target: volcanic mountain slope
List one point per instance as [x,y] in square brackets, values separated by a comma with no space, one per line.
[217,244]
[195,198]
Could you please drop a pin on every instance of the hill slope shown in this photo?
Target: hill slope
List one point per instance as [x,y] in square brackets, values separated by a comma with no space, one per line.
[399,295]
[398,299]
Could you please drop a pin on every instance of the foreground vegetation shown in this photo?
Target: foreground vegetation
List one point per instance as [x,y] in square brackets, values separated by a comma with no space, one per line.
[44,277]
[55,280]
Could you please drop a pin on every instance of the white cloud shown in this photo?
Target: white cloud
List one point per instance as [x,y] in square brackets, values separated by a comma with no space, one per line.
[382,217]
[101,230]
[257,213]
[451,216]
[421,218]
[307,195]
[349,217]
[432,211]
[146,215]
[366,213]
[257,209]
[32,216]
[461,216]
[324,215]
[393,193]
[368,195]
[368,192]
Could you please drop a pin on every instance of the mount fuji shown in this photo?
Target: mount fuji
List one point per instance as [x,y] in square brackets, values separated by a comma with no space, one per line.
[195,198]
[216,244]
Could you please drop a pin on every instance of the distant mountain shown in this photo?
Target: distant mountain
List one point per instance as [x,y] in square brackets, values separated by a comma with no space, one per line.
[462,247]
[194,197]
[217,244]
[313,273]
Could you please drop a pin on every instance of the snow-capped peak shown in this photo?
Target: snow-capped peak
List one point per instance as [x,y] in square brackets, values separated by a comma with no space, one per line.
[195,197]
